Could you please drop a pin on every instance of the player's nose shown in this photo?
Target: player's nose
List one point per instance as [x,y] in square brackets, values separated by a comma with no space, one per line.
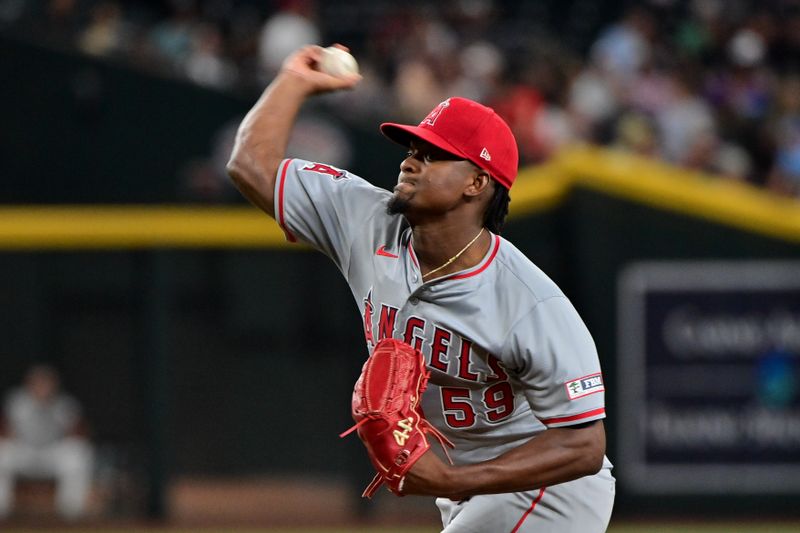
[409,165]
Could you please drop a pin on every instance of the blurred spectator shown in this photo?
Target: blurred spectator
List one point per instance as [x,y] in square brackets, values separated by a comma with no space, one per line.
[171,39]
[652,90]
[697,33]
[105,34]
[635,132]
[742,91]
[540,126]
[553,129]
[694,82]
[290,28]
[241,44]
[427,65]
[44,438]
[480,65]
[593,100]
[623,48]
[732,161]
[206,64]
[685,123]
[417,87]
[520,105]
[784,176]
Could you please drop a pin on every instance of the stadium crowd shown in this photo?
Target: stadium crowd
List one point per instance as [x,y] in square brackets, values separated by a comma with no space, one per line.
[711,85]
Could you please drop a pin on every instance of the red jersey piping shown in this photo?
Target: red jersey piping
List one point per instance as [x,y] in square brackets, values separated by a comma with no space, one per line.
[485,265]
[573,418]
[529,511]
[471,273]
[413,255]
[281,221]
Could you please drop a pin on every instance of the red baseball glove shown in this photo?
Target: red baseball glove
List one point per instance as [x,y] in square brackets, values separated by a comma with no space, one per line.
[388,416]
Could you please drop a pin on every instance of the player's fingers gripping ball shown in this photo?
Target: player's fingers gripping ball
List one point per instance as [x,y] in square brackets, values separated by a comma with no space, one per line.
[325,69]
[388,415]
[337,62]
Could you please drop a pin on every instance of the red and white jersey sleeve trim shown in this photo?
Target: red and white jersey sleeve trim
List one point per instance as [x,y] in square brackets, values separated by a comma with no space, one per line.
[280,211]
[594,414]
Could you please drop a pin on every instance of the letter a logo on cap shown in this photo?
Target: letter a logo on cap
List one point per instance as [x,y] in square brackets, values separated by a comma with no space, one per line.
[430,120]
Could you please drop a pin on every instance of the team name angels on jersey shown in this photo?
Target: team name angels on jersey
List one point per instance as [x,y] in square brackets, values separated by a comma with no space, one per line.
[466,365]
[452,360]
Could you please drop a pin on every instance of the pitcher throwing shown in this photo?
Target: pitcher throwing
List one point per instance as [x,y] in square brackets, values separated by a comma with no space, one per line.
[514,377]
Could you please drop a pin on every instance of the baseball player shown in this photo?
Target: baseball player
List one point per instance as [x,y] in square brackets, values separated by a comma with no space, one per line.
[515,379]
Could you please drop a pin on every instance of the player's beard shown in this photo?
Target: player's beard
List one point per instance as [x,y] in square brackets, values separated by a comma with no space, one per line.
[397,205]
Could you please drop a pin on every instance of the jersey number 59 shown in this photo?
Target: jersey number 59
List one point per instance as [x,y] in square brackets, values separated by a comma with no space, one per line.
[459,411]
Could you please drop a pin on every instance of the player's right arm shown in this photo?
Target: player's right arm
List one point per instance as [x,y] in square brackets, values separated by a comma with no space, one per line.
[264,133]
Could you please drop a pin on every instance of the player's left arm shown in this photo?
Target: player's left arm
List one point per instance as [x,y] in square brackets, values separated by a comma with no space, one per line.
[558,370]
[555,456]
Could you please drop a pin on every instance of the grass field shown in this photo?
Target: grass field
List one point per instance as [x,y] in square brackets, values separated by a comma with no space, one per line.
[782,527]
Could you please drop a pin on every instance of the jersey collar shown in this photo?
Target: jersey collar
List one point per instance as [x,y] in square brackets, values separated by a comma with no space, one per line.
[487,260]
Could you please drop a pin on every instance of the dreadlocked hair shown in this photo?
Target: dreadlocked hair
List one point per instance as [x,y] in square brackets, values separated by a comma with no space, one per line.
[496,212]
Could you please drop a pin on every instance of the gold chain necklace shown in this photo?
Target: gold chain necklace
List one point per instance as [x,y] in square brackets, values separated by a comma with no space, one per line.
[450,261]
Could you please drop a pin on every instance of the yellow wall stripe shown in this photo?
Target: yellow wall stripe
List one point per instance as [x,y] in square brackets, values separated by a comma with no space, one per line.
[663,186]
[537,188]
[126,227]
[101,227]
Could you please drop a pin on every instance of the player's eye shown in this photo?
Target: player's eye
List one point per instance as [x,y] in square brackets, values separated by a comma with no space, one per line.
[429,158]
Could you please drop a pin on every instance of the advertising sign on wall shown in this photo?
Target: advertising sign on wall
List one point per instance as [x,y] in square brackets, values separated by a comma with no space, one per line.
[709,377]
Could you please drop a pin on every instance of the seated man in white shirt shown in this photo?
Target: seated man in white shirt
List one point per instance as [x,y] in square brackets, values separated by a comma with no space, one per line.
[41,438]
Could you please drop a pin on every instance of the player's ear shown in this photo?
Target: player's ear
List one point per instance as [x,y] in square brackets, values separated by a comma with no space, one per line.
[481,182]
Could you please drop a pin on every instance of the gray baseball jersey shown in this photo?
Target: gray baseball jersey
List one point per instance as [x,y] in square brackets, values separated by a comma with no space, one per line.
[508,354]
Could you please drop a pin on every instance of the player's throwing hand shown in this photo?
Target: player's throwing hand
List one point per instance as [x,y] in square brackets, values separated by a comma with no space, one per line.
[304,64]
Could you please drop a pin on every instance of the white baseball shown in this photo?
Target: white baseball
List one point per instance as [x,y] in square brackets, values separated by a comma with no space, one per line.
[337,62]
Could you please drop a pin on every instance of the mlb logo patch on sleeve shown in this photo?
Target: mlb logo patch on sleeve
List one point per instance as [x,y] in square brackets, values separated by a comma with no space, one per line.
[578,388]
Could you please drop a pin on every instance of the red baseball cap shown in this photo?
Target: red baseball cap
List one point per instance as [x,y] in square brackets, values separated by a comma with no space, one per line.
[469,130]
